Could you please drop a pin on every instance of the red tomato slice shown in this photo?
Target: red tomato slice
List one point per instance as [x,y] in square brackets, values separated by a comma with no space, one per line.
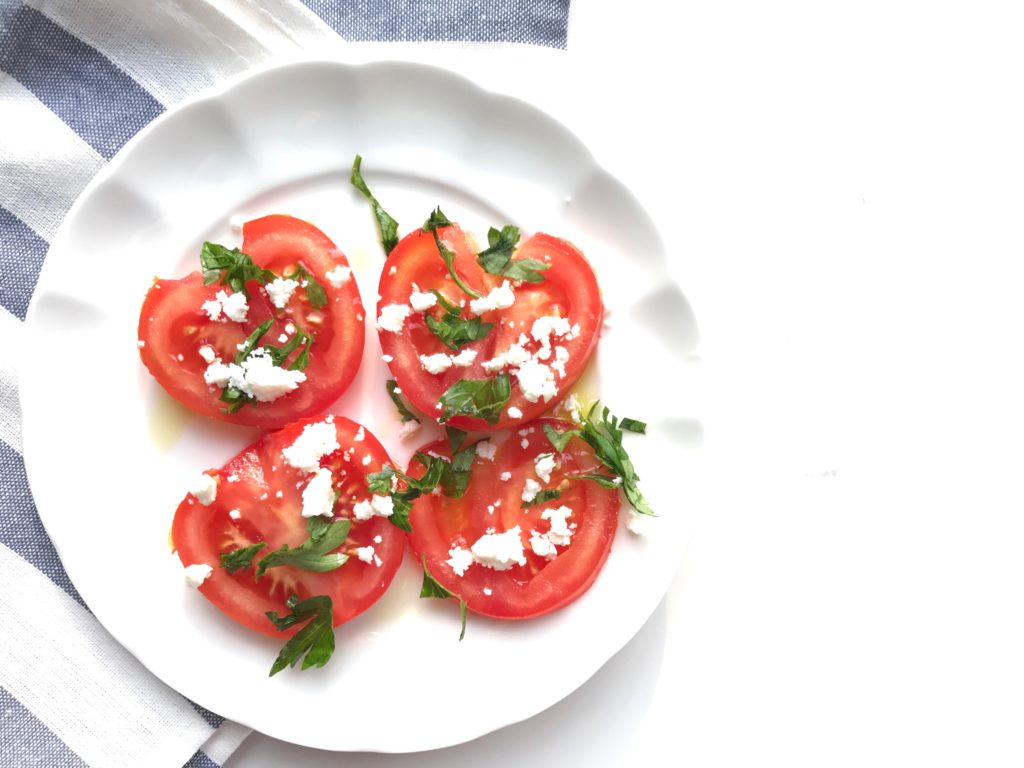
[569,290]
[493,504]
[173,326]
[259,498]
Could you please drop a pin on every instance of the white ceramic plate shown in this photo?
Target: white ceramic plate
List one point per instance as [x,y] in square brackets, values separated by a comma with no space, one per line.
[110,455]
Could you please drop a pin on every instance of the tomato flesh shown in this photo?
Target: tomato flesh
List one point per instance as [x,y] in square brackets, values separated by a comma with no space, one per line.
[173,326]
[494,505]
[569,289]
[264,493]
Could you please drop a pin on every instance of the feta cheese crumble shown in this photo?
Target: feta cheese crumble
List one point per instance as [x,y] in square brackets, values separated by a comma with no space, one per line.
[316,441]
[360,435]
[560,532]
[464,359]
[196,574]
[204,489]
[505,477]
[435,364]
[543,465]
[499,551]
[318,495]
[339,276]
[459,559]
[514,413]
[206,352]
[636,523]
[280,290]
[368,555]
[382,506]
[392,317]
[485,449]
[488,591]
[530,490]
[542,546]
[536,381]
[234,306]
[500,297]
[422,301]
[257,376]
[235,514]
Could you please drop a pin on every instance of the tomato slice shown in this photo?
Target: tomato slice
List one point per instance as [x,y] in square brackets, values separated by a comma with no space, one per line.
[173,326]
[549,576]
[259,497]
[569,290]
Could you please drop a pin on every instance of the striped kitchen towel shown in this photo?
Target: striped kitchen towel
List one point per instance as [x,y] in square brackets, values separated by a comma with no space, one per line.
[78,78]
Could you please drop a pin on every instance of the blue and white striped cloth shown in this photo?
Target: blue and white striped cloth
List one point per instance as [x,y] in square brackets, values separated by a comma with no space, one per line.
[78,78]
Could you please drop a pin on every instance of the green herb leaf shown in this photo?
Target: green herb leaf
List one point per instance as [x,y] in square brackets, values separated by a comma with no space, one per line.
[252,340]
[403,409]
[452,328]
[542,497]
[380,483]
[232,267]
[455,479]
[560,439]
[315,553]
[477,398]
[604,435]
[241,558]
[315,292]
[432,588]
[497,260]
[278,354]
[388,226]
[632,425]
[438,219]
[605,481]
[315,641]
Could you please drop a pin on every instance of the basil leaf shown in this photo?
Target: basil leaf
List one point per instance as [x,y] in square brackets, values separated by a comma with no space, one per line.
[453,330]
[438,219]
[278,354]
[315,554]
[403,409]
[476,398]
[455,479]
[542,496]
[388,226]
[432,588]
[252,340]
[605,481]
[632,425]
[241,558]
[497,260]
[380,483]
[560,439]
[232,267]
[315,641]
[604,435]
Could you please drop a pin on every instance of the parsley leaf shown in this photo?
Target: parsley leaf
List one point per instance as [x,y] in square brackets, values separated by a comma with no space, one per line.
[477,398]
[432,588]
[543,496]
[315,641]
[403,409]
[438,219]
[241,558]
[452,329]
[605,437]
[314,554]
[455,478]
[497,259]
[387,225]
[315,292]
[383,484]
[232,267]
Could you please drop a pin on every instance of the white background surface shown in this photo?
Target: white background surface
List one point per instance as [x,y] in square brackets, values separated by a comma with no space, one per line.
[845,184]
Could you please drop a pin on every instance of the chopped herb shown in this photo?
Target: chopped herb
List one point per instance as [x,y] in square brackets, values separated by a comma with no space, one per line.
[315,292]
[605,481]
[476,398]
[232,267]
[236,398]
[632,425]
[314,554]
[438,219]
[548,494]
[279,354]
[403,409]
[388,226]
[452,329]
[382,484]
[455,478]
[241,558]
[497,260]
[252,340]
[431,588]
[315,641]
[605,437]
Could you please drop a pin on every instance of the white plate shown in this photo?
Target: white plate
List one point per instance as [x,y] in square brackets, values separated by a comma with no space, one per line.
[110,455]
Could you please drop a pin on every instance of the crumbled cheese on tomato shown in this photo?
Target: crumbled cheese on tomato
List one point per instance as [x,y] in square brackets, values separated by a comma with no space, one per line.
[571,406]
[422,301]
[392,317]
[560,532]
[530,489]
[542,546]
[561,358]
[499,551]
[393,270]
[488,591]
[316,441]
[196,574]
[514,413]
[387,358]
[266,381]
[636,523]
[500,297]
[339,276]
[236,221]
[505,477]
[543,465]
[360,435]
[282,339]
[368,555]
[378,539]
[464,359]
[459,559]
[383,506]
[513,357]
[318,495]
[548,327]
[524,443]
[438,363]
[235,306]
[280,289]
[234,514]
[204,489]
[410,427]
[485,449]
[536,381]
[206,352]
[289,328]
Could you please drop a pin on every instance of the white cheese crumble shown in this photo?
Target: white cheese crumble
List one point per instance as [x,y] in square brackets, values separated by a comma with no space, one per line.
[505,477]
[514,413]
[280,289]
[499,551]
[383,506]
[196,574]
[234,306]
[282,339]
[485,449]
[289,328]
[316,441]
[392,317]
[234,514]
[636,523]
[560,532]
[501,297]
[435,364]
[318,495]
[206,352]
[548,327]
[368,555]
[360,435]
[464,359]
[387,358]
[530,489]
[571,405]
[204,489]
[339,276]
[459,559]
[266,381]
[236,221]
[543,465]
[515,356]
[524,443]
[536,381]
[422,301]
[409,428]
[542,546]
[488,591]
[378,539]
